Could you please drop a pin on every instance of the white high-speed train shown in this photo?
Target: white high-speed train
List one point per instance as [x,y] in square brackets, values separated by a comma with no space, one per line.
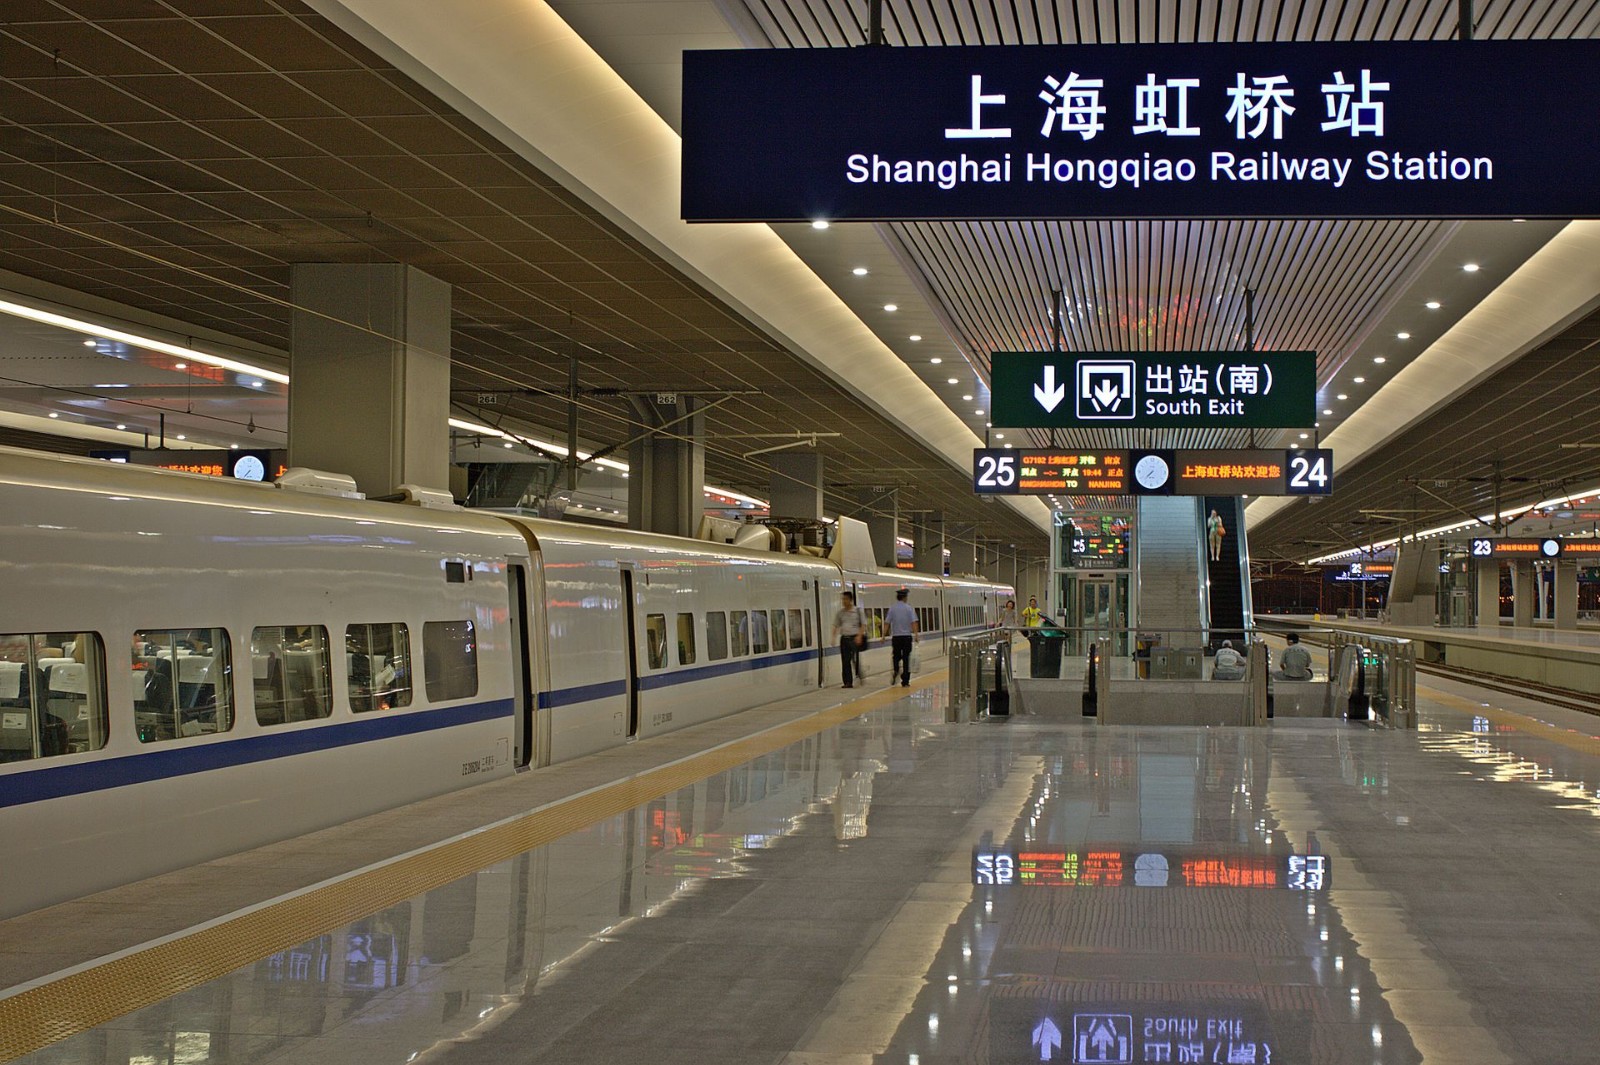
[191,667]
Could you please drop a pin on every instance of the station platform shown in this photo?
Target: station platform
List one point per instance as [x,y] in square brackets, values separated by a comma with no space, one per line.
[1559,658]
[830,882]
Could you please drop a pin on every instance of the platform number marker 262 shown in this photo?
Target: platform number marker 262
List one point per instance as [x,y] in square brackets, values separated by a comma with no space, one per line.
[994,472]
[1310,473]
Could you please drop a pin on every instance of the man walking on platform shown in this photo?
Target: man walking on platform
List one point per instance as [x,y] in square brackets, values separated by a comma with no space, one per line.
[903,629]
[850,628]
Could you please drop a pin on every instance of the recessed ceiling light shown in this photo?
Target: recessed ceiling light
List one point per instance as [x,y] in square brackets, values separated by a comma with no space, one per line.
[182,437]
[89,343]
[860,271]
[999,436]
[1360,380]
[891,307]
[967,398]
[1403,336]
[1008,445]
[1432,305]
[1327,412]
[954,380]
[988,425]
[979,413]
[935,360]
[256,384]
[1305,436]
[121,425]
[1470,268]
[53,414]
[916,336]
[821,223]
[234,447]
[1379,359]
[508,445]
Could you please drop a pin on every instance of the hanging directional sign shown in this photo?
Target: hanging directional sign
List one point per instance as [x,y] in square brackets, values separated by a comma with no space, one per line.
[1325,129]
[1167,390]
[1546,547]
[1139,1031]
[1218,471]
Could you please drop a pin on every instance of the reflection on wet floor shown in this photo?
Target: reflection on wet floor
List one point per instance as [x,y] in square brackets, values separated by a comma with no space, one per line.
[902,890]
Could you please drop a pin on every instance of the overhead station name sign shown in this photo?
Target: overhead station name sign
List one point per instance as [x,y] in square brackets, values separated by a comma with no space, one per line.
[1390,129]
[1166,390]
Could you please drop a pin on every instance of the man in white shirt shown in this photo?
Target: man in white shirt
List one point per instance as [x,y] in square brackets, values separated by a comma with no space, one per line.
[1229,664]
[849,628]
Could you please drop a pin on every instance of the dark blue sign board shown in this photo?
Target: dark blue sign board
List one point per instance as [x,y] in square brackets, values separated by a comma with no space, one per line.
[1139,1031]
[1391,129]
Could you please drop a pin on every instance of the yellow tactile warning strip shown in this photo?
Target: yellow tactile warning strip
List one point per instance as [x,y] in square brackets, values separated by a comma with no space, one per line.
[49,1012]
[1577,741]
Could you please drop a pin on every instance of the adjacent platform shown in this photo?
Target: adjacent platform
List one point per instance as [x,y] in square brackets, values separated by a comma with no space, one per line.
[1558,658]
[843,884]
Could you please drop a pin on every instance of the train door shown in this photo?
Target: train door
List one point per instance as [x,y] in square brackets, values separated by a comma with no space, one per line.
[630,641]
[822,627]
[522,653]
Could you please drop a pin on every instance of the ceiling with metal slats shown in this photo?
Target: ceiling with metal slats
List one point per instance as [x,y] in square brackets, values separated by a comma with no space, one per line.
[179,155]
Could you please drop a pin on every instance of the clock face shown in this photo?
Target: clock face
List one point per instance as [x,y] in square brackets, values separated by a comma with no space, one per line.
[1151,471]
[249,468]
[1550,548]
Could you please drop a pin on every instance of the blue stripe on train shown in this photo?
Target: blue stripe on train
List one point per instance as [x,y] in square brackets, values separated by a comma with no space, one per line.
[157,763]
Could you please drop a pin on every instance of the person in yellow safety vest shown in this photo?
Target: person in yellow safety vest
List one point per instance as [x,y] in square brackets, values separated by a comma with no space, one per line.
[1032,616]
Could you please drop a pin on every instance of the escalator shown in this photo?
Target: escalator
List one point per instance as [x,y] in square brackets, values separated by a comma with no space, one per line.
[1226,576]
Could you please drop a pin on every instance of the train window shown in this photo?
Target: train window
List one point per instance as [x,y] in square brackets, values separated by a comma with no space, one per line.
[685,639]
[739,632]
[780,631]
[760,641]
[292,679]
[717,635]
[449,660]
[379,658]
[795,638]
[808,629]
[52,694]
[182,683]
[655,639]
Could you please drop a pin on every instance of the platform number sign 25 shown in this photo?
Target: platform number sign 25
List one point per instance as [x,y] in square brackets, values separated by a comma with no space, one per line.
[994,471]
[1309,473]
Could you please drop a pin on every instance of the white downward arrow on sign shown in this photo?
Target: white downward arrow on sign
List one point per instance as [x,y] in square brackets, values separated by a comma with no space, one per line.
[1106,394]
[1049,394]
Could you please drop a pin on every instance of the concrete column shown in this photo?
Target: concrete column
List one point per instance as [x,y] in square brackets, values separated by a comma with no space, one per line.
[928,534]
[880,509]
[370,361]
[1566,575]
[1523,590]
[795,489]
[1488,580]
[667,470]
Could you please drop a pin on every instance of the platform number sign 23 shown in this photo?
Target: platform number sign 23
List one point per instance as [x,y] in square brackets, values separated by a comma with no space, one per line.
[1310,473]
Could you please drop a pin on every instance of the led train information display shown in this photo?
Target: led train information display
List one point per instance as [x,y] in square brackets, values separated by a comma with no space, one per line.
[1056,471]
[1325,129]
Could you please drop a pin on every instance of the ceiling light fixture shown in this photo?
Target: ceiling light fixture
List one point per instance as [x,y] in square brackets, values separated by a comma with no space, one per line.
[121,425]
[1432,305]
[1305,436]
[935,360]
[89,343]
[1327,412]
[860,271]
[821,223]
[891,307]
[53,414]
[967,398]
[182,437]
[1341,395]
[979,413]
[1470,268]
[916,336]
[180,366]
[954,380]
[1402,336]
[1359,380]
[1379,359]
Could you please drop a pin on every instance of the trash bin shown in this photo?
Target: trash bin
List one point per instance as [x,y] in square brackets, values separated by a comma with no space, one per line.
[1044,660]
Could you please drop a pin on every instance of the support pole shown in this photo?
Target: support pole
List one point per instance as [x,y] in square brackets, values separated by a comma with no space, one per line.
[874,22]
[1464,18]
[572,423]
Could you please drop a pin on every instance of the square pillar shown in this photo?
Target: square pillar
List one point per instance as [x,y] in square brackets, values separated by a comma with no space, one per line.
[1487,572]
[1566,574]
[369,359]
[667,470]
[1523,590]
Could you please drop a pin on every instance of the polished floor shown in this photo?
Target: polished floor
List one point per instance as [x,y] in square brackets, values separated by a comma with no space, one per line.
[897,889]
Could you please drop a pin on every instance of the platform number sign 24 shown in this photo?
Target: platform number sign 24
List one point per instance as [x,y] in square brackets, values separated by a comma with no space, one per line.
[1310,473]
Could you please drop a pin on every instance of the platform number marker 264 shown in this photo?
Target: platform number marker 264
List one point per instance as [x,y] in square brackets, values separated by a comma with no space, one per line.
[994,472]
[1310,473]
